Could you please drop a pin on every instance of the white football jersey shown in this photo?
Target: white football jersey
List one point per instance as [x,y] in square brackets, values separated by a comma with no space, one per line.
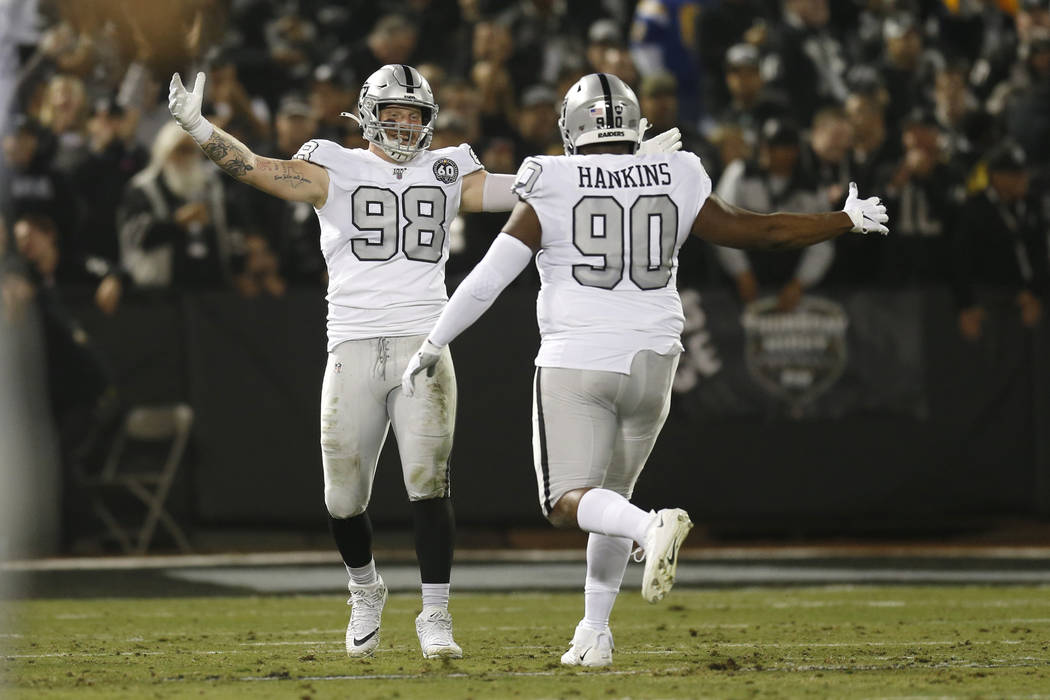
[608,263]
[384,236]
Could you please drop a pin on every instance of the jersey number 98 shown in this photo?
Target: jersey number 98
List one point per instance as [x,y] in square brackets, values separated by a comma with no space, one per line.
[377,209]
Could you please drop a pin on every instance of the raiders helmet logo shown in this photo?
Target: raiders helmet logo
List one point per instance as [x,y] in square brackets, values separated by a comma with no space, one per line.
[446,171]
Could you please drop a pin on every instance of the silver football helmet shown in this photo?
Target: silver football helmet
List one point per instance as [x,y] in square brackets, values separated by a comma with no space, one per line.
[599,108]
[396,84]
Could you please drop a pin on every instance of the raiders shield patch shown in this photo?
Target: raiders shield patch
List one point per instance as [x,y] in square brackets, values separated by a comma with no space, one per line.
[446,171]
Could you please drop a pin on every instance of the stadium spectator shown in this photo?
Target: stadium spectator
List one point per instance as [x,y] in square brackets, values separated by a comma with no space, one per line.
[285,231]
[607,52]
[873,153]
[805,60]
[30,184]
[959,114]
[536,126]
[259,273]
[545,36]
[924,196]
[63,111]
[1000,251]
[1026,108]
[172,221]
[101,178]
[80,387]
[721,25]
[663,41]
[751,103]
[826,156]
[658,95]
[775,182]
[907,68]
[230,104]
[393,39]
[333,91]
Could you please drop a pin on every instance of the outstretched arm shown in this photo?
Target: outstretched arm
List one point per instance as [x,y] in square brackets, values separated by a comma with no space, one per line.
[294,180]
[507,257]
[724,224]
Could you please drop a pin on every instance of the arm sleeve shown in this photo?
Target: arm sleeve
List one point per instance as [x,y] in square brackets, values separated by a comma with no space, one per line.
[506,258]
[497,194]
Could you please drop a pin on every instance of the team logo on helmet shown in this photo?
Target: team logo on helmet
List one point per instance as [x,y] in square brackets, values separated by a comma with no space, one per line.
[446,171]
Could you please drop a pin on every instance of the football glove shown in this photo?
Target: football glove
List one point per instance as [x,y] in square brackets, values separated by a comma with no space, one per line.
[185,107]
[425,359]
[667,142]
[866,214]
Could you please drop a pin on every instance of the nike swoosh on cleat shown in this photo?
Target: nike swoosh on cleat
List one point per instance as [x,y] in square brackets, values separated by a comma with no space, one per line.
[362,640]
[584,655]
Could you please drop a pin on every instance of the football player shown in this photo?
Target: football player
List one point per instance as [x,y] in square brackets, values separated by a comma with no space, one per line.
[608,223]
[385,214]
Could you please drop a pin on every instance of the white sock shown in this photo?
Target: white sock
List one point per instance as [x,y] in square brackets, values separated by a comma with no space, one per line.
[606,562]
[436,595]
[363,575]
[606,512]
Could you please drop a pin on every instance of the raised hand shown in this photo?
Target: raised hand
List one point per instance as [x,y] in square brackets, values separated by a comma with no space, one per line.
[185,107]
[666,142]
[866,214]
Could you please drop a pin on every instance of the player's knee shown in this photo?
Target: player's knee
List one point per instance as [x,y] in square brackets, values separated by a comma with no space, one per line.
[562,515]
[341,504]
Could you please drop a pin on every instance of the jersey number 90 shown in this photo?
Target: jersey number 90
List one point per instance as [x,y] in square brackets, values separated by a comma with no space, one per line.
[597,230]
[378,209]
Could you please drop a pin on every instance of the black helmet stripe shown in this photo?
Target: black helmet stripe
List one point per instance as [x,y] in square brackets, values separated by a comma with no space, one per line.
[608,99]
[409,80]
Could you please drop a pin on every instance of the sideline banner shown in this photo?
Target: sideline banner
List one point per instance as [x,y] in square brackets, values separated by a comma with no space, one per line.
[836,354]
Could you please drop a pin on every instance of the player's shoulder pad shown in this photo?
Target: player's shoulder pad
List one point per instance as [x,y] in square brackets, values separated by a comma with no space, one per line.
[529,180]
[692,162]
[463,162]
[322,152]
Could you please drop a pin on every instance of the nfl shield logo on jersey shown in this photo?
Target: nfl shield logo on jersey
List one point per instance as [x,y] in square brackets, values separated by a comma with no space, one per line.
[446,171]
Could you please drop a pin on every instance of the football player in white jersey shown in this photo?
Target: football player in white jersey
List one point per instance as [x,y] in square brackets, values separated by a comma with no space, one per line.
[385,214]
[606,224]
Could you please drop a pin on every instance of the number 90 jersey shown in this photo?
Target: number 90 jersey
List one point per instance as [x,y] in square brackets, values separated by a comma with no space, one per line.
[384,236]
[608,263]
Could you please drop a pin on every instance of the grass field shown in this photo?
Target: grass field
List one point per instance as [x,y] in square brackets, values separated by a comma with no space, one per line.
[828,642]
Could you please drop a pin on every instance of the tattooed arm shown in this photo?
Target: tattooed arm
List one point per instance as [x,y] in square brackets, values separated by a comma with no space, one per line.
[294,180]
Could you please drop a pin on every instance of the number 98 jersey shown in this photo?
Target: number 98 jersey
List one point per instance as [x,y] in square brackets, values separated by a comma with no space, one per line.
[612,227]
[384,236]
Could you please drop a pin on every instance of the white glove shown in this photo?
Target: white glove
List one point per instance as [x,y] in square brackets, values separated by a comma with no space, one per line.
[425,358]
[185,106]
[866,214]
[667,142]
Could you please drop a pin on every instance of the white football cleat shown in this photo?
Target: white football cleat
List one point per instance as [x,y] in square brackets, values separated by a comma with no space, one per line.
[434,629]
[662,542]
[589,648]
[362,634]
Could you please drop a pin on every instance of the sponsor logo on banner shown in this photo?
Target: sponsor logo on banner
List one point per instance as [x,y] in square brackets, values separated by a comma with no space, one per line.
[798,355]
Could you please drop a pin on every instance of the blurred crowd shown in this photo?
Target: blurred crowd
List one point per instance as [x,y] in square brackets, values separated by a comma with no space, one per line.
[941,107]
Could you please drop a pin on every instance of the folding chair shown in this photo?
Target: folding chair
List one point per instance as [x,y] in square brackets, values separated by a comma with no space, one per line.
[144,424]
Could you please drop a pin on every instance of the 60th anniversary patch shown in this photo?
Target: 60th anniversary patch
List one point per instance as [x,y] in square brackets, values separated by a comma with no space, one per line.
[446,171]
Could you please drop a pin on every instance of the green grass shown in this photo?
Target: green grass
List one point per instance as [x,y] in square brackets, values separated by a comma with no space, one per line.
[835,642]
